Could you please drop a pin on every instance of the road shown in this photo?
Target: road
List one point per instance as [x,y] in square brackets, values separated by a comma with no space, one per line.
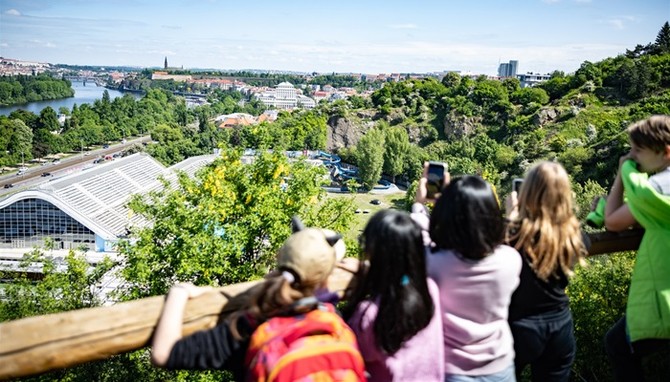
[34,173]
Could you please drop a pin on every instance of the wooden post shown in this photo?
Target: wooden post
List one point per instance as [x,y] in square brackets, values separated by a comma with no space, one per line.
[37,344]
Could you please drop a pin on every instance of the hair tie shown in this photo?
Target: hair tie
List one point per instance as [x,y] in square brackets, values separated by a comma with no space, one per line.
[404,280]
[288,276]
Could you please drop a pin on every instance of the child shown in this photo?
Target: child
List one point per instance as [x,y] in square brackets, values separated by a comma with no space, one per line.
[476,275]
[283,316]
[544,229]
[394,309]
[644,175]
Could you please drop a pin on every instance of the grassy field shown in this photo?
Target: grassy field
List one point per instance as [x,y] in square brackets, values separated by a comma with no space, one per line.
[362,203]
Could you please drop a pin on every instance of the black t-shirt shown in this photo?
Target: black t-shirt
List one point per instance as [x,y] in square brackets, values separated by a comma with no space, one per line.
[213,349]
[534,296]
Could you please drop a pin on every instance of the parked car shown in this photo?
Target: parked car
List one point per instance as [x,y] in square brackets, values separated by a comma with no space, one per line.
[21,172]
[9,185]
[376,202]
[56,161]
[46,174]
[105,146]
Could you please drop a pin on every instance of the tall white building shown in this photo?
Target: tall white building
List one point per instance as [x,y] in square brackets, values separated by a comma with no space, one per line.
[284,96]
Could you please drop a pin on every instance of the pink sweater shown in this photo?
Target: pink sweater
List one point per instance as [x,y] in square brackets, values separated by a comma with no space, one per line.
[474,297]
[420,359]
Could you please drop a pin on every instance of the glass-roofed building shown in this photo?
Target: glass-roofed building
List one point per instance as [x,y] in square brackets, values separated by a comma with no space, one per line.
[86,209]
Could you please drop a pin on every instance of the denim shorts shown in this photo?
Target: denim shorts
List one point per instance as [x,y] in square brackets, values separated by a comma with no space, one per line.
[506,375]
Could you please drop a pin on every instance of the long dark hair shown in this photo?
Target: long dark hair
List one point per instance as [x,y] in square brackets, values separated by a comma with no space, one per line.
[467,218]
[396,276]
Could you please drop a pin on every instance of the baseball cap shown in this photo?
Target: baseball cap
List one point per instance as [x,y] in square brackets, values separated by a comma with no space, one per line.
[310,255]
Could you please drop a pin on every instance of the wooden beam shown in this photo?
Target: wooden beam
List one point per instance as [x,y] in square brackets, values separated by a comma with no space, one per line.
[38,344]
[609,242]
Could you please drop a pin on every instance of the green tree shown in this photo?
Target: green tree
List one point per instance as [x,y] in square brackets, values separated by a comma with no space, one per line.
[370,157]
[21,142]
[226,225]
[397,147]
[662,43]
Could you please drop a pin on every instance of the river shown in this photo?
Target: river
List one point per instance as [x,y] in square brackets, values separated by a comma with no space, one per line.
[82,94]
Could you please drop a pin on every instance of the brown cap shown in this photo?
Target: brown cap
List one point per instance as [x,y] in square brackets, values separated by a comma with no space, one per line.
[310,256]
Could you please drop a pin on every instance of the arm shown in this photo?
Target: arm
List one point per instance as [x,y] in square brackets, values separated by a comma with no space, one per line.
[168,330]
[512,206]
[617,214]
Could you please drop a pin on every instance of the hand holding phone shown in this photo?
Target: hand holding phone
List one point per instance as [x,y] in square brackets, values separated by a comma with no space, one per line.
[435,178]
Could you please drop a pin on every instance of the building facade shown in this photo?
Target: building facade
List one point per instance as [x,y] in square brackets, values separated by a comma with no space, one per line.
[508,69]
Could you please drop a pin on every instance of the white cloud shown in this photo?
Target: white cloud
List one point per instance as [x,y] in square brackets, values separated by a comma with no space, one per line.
[12,12]
[550,1]
[404,26]
[616,23]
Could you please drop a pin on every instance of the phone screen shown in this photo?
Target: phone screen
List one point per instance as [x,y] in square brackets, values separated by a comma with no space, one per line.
[516,184]
[435,178]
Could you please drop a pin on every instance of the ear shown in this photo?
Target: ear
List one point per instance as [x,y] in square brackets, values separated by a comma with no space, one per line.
[296,224]
[332,240]
[666,152]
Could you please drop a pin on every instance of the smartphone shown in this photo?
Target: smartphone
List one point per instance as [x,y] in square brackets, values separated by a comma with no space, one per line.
[435,179]
[516,184]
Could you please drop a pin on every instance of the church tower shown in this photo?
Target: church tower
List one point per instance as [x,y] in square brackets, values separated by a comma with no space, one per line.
[166,66]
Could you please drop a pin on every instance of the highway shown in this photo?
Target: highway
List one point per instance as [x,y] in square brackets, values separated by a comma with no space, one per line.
[33,175]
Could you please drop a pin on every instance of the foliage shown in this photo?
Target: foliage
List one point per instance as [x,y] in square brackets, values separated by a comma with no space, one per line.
[225,226]
[15,90]
[370,157]
[66,283]
[598,294]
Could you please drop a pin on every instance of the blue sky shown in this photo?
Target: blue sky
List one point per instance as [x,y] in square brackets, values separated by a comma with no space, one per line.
[333,36]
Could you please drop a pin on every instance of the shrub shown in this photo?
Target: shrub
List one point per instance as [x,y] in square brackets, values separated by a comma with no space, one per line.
[598,294]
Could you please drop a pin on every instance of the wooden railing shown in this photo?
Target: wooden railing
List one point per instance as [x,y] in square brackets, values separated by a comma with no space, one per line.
[38,344]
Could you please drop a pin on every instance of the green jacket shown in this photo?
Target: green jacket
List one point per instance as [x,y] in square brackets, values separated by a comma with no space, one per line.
[648,309]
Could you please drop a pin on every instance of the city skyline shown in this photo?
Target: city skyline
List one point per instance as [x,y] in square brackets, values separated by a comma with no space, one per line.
[344,36]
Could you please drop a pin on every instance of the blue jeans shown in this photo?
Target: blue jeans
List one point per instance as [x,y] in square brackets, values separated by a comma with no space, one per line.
[506,375]
[626,357]
[546,342]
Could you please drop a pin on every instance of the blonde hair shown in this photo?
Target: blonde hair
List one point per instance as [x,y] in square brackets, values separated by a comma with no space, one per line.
[546,229]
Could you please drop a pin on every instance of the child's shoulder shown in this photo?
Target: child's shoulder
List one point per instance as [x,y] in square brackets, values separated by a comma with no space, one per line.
[661,181]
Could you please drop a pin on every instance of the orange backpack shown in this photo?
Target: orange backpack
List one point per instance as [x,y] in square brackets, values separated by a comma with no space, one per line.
[310,347]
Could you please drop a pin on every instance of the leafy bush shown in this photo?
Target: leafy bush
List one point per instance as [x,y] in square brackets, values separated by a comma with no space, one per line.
[598,294]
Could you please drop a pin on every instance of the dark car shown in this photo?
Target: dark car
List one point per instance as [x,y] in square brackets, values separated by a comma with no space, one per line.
[46,174]
[9,185]
[105,146]
[376,202]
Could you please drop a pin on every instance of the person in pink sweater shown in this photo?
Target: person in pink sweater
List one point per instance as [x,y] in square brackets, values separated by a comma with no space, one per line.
[394,308]
[476,275]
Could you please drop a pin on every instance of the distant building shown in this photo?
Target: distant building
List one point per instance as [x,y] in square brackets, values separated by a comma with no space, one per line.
[532,79]
[175,77]
[86,209]
[508,69]
[285,97]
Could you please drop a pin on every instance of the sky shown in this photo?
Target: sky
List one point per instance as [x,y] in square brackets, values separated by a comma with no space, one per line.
[472,36]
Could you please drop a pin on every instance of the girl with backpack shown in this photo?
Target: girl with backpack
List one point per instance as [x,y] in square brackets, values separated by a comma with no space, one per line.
[476,275]
[546,232]
[394,308]
[283,333]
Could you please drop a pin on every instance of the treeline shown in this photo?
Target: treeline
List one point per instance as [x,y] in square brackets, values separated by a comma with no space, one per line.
[15,90]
